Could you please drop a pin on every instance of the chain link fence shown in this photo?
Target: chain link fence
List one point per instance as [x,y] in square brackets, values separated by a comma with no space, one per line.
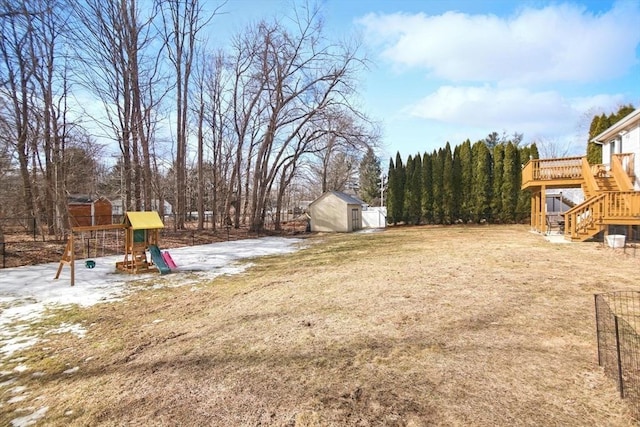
[617,321]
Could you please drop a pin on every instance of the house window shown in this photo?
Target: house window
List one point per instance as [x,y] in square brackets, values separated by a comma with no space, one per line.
[355,216]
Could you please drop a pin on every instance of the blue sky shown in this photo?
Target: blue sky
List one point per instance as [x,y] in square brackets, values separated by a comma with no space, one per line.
[451,70]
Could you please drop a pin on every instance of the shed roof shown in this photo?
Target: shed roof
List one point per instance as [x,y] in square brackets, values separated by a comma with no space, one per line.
[348,199]
[143,220]
[352,200]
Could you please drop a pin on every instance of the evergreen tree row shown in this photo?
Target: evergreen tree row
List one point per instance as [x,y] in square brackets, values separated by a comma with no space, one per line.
[472,183]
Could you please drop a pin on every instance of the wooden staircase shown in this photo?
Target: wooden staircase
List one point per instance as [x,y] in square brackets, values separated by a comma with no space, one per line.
[610,198]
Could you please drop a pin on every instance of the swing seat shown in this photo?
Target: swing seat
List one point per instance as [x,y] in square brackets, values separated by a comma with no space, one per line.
[89,263]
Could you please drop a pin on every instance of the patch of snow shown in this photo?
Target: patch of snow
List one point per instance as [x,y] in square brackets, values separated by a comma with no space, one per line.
[26,292]
[71,328]
[71,370]
[11,345]
[21,368]
[8,382]
[31,419]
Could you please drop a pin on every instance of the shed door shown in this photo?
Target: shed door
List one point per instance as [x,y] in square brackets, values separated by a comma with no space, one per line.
[355,216]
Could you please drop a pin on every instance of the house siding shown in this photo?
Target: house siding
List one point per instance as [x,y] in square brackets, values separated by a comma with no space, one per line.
[626,143]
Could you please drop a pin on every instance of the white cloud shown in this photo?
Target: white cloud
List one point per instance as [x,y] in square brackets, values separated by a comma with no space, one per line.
[521,110]
[556,43]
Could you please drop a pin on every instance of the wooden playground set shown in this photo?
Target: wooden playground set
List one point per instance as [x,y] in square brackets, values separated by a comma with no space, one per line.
[141,235]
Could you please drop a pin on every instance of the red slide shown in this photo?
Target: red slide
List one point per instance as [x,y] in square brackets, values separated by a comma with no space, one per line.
[167,258]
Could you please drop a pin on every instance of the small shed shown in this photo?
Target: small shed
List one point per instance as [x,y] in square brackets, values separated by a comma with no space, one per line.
[88,210]
[335,211]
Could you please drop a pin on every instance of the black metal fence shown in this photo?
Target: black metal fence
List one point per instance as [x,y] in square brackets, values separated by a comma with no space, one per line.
[617,321]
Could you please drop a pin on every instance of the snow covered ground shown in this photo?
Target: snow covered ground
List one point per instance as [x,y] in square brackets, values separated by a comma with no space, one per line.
[25,292]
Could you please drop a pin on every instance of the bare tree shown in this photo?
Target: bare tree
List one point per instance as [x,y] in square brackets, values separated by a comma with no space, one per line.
[247,107]
[182,21]
[302,76]
[212,113]
[552,148]
[51,76]
[18,90]
[119,64]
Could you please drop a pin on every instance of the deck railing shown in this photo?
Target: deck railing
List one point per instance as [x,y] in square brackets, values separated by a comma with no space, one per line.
[550,169]
[588,173]
[622,205]
[622,170]
[611,207]
[580,219]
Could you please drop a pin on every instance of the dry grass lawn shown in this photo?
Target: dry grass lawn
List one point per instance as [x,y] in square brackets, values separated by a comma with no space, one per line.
[454,326]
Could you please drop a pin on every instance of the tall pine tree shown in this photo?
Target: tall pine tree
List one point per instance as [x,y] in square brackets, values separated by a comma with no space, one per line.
[510,183]
[498,169]
[396,195]
[456,185]
[523,209]
[427,188]
[447,186]
[370,178]
[466,181]
[414,190]
[481,185]
[437,166]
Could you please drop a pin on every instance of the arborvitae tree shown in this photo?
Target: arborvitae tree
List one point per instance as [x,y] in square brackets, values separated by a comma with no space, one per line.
[408,174]
[523,209]
[413,194]
[391,182]
[622,112]
[427,188]
[510,183]
[437,166]
[447,186]
[370,173]
[396,194]
[598,125]
[456,185]
[492,140]
[533,151]
[498,170]
[466,179]
[594,151]
[481,181]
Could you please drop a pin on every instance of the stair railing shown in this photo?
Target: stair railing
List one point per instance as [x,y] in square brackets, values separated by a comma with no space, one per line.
[622,205]
[590,185]
[621,166]
[584,218]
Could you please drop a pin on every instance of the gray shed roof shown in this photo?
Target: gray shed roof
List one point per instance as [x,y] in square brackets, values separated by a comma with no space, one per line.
[348,199]
[352,200]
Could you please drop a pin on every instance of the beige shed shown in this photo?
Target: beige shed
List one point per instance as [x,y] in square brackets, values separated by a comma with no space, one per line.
[336,212]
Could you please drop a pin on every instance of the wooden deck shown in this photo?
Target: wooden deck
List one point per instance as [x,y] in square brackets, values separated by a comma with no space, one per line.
[610,198]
